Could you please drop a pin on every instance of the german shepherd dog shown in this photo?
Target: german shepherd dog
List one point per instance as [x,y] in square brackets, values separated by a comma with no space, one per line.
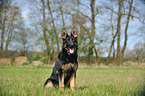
[64,70]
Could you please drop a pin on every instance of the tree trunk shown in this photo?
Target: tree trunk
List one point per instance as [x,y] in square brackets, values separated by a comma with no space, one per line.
[8,42]
[118,31]
[113,52]
[96,58]
[92,29]
[44,29]
[54,28]
[126,28]
[2,34]
[92,25]
[111,46]
[114,36]
[60,8]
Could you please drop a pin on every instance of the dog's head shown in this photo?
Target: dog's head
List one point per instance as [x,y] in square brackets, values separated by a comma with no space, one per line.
[70,43]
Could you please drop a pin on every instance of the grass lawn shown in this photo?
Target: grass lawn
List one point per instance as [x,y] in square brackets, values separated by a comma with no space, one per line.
[28,81]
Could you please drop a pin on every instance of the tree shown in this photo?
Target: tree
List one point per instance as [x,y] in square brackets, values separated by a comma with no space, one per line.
[4,5]
[114,36]
[138,52]
[122,14]
[14,14]
[92,29]
[118,31]
[54,28]
[11,18]
[44,27]
[91,32]
[126,28]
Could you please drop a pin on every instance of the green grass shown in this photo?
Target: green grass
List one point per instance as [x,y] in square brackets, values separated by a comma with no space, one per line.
[28,81]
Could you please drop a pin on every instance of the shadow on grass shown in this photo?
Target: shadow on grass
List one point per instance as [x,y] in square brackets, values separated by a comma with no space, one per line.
[2,93]
[82,88]
[142,93]
[76,88]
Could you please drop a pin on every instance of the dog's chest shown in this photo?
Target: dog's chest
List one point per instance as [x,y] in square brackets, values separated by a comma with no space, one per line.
[69,66]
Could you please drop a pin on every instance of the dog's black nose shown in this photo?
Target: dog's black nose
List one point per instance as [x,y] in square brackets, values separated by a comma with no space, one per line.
[71,45]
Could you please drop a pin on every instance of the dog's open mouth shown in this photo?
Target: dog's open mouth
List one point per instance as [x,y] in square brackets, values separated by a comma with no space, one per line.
[71,50]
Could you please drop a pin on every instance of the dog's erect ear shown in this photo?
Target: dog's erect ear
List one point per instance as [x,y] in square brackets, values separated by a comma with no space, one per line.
[64,34]
[74,32]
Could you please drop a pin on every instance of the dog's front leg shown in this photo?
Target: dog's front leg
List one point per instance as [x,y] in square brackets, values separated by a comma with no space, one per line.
[72,81]
[61,81]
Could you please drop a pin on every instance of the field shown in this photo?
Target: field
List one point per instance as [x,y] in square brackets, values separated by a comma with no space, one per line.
[28,81]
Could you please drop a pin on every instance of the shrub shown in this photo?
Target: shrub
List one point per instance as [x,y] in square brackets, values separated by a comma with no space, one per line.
[36,58]
[24,64]
[45,61]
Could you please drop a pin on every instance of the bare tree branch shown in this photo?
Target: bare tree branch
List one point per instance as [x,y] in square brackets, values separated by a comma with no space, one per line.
[85,6]
[84,15]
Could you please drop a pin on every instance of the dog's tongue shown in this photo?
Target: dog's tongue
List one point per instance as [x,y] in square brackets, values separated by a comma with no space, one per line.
[71,50]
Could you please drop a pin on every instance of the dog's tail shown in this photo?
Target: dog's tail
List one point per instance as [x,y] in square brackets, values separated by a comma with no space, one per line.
[46,82]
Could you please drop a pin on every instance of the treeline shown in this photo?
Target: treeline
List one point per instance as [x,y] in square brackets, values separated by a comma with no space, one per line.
[102,28]
[135,55]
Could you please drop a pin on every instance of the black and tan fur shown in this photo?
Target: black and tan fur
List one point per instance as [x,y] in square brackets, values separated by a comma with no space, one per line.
[64,70]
